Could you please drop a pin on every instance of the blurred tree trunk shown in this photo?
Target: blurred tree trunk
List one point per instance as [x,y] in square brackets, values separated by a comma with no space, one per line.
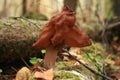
[72,4]
[24,6]
[116,5]
[4,9]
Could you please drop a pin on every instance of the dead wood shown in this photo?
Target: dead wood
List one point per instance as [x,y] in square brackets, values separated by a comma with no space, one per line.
[16,39]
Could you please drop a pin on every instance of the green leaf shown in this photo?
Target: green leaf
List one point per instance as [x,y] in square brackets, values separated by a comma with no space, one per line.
[1,70]
[34,60]
[43,51]
[114,67]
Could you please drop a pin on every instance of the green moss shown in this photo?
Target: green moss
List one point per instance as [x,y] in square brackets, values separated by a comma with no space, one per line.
[65,75]
[1,25]
[24,23]
[38,16]
[94,55]
[12,20]
[63,64]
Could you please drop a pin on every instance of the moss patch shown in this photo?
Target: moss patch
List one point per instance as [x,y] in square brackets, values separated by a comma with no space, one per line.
[65,75]
[63,71]
[38,16]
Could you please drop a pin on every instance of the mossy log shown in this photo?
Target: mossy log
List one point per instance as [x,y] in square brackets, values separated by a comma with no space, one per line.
[16,39]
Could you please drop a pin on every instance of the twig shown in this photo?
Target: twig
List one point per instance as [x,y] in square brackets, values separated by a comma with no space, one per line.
[7,24]
[105,42]
[21,17]
[103,36]
[96,13]
[25,62]
[6,77]
[98,73]
[31,22]
[96,64]
[110,26]
[14,69]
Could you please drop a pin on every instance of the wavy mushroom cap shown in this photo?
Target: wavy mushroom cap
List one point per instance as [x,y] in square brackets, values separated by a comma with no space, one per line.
[61,30]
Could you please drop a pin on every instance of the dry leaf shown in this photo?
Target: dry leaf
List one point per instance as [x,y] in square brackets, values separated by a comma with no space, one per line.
[46,75]
[23,74]
[117,62]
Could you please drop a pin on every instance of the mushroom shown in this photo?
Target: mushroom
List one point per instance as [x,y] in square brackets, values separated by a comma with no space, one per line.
[59,31]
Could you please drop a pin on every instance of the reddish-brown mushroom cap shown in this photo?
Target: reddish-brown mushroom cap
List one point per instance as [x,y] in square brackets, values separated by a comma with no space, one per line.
[77,38]
[60,30]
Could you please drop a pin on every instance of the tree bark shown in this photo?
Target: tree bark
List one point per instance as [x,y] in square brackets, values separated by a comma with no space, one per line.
[116,4]
[24,6]
[72,4]
[16,40]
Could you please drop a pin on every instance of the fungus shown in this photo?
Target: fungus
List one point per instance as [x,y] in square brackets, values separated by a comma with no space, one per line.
[59,31]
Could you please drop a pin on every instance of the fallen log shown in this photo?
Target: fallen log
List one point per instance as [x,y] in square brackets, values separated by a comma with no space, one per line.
[16,39]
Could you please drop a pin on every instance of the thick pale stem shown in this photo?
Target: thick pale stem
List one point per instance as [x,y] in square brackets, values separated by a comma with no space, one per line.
[50,57]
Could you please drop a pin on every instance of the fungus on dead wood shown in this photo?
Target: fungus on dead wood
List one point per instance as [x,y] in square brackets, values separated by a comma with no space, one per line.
[59,31]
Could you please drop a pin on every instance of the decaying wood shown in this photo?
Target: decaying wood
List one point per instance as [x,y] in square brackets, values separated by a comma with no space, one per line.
[16,39]
[71,4]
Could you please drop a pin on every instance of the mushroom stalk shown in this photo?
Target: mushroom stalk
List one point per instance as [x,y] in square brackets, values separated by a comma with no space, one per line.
[50,57]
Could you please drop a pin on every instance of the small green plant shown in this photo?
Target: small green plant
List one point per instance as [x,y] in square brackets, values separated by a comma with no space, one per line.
[43,51]
[34,60]
[23,22]
[1,71]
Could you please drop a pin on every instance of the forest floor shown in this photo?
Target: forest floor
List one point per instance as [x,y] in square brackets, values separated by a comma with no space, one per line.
[96,57]
[67,68]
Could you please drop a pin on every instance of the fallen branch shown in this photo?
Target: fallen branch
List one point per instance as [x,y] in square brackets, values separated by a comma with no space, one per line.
[29,21]
[15,33]
[93,71]
[6,23]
